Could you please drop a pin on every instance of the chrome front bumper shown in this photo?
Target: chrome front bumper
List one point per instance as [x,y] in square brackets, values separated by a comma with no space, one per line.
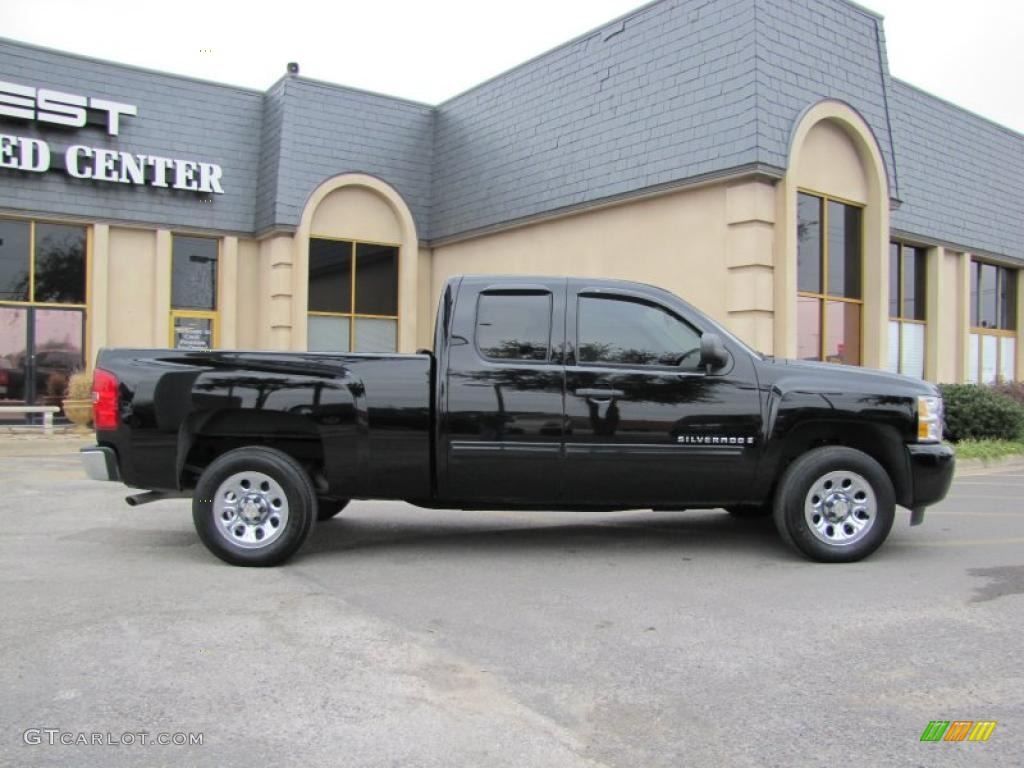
[100,463]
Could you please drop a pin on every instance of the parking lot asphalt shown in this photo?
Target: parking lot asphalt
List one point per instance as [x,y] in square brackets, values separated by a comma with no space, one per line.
[406,637]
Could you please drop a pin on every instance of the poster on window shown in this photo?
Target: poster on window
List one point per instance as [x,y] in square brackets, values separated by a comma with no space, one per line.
[193,333]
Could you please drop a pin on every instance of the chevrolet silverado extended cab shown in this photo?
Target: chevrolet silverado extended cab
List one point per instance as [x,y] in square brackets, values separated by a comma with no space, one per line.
[540,393]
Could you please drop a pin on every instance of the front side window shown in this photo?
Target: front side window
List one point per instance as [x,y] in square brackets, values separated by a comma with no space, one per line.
[992,354]
[619,331]
[194,263]
[353,296]
[829,279]
[907,285]
[514,326]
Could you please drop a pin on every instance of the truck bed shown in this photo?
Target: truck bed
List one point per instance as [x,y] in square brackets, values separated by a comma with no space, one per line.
[363,421]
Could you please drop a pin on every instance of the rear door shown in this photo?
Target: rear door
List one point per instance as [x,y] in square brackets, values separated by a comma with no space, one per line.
[502,426]
[646,424]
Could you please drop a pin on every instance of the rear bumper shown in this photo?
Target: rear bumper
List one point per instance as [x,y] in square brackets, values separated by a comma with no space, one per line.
[931,472]
[100,463]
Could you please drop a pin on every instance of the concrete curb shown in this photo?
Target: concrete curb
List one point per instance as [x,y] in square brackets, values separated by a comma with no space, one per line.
[968,467]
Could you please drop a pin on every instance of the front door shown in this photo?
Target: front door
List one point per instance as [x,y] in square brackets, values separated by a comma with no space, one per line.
[646,424]
[39,349]
[503,389]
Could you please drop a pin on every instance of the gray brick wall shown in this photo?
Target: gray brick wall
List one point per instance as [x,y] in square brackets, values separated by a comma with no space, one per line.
[328,130]
[178,117]
[809,50]
[962,176]
[665,95]
[270,156]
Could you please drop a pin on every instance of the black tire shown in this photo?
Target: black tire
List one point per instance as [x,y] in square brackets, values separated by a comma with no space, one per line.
[328,508]
[267,477]
[837,523]
[748,511]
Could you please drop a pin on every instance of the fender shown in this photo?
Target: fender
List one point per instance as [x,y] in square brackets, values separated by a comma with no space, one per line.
[801,414]
[328,407]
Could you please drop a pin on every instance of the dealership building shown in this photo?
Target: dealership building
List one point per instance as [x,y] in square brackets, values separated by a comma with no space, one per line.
[755,157]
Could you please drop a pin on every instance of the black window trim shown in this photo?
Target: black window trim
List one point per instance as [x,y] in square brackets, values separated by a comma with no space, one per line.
[635,298]
[552,357]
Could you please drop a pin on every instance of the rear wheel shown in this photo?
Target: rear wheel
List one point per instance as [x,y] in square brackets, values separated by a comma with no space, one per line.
[254,506]
[328,508]
[835,505]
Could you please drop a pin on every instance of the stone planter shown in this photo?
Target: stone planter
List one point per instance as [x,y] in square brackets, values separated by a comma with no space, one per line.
[78,411]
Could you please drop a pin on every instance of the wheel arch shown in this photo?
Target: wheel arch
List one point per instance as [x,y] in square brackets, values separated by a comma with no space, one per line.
[205,436]
[882,442]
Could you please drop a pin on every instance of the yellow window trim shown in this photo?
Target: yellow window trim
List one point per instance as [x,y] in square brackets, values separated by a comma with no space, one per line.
[825,297]
[199,315]
[353,315]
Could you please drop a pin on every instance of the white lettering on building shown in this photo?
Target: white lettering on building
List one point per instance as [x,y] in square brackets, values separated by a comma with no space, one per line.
[44,105]
[23,154]
[126,168]
[59,108]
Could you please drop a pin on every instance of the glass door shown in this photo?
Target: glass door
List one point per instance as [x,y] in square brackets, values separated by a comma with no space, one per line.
[39,350]
[56,346]
[13,358]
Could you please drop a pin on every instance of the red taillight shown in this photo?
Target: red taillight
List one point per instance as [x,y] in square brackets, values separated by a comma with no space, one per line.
[104,399]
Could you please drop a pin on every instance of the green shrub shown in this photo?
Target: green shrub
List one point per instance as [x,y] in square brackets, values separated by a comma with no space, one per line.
[1012,389]
[980,413]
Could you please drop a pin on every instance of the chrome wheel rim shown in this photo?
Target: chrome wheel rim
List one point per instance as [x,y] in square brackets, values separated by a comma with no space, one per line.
[840,508]
[250,510]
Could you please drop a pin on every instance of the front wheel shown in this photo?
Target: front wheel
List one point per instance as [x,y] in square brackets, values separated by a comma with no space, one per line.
[835,505]
[254,506]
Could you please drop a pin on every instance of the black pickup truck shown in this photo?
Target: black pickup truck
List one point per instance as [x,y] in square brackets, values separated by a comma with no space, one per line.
[541,393]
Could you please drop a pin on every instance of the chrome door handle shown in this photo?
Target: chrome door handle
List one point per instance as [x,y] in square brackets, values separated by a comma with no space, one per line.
[599,394]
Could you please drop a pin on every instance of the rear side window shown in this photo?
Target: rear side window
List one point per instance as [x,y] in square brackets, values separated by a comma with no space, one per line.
[619,331]
[514,326]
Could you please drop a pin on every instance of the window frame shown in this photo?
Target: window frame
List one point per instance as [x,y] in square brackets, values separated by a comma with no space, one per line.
[353,316]
[899,318]
[824,297]
[997,332]
[601,295]
[213,315]
[549,358]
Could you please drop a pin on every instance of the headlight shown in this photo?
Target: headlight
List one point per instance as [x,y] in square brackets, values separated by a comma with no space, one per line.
[929,419]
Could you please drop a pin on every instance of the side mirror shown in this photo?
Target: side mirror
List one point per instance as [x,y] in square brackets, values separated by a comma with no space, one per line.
[713,353]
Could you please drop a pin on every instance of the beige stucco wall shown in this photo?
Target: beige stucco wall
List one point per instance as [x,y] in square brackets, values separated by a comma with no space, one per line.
[677,241]
[356,213]
[830,163]
[249,307]
[833,152]
[275,292]
[425,301]
[947,303]
[131,289]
